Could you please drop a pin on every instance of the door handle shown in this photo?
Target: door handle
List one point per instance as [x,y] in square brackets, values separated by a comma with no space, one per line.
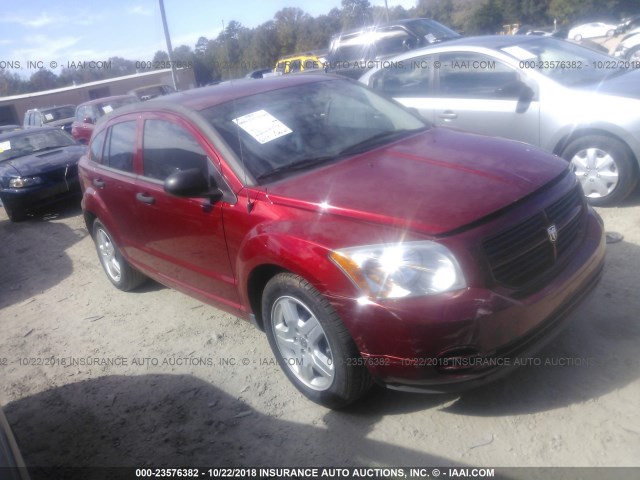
[98,182]
[144,198]
[448,115]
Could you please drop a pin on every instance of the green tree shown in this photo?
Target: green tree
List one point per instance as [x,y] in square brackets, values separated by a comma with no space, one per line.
[487,18]
[356,13]
[43,80]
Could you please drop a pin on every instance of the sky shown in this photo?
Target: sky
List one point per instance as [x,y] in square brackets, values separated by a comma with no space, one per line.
[55,33]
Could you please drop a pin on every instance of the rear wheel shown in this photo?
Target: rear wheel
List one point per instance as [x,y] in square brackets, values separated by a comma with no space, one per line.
[577,37]
[311,344]
[118,270]
[605,167]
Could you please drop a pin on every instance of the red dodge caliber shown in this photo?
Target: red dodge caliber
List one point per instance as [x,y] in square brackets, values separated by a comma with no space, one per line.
[367,244]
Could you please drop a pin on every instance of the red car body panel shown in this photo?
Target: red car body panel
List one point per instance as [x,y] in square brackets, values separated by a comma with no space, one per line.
[454,188]
[381,185]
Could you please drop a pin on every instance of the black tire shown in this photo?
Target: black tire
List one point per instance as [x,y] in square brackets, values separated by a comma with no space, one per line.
[15,214]
[118,270]
[625,167]
[350,379]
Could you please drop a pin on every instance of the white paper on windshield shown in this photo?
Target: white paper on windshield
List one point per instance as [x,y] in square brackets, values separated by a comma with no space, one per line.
[520,53]
[107,109]
[262,126]
[5,146]
[48,117]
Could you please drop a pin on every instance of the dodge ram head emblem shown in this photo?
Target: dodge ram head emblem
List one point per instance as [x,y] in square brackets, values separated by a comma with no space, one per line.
[552,231]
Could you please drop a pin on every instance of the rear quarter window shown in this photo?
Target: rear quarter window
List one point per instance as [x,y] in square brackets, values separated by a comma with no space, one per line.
[97,144]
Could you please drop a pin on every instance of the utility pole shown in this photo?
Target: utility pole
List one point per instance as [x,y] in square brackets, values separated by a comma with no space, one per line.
[169,48]
[386,6]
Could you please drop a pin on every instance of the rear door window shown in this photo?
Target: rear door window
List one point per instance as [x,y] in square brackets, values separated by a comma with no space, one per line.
[121,146]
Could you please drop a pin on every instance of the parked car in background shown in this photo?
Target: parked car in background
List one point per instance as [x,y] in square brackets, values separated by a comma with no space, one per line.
[300,62]
[367,244]
[61,117]
[9,128]
[38,166]
[88,113]
[351,53]
[629,47]
[151,91]
[628,24]
[12,465]
[567,99]
[259,73]
[592,30]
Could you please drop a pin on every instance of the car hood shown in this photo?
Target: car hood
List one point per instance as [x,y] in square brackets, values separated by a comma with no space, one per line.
[47,160]
[624,85]
[432,182]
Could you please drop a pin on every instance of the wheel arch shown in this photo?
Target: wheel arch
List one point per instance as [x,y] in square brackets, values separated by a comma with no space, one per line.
[569,137]
[256,282]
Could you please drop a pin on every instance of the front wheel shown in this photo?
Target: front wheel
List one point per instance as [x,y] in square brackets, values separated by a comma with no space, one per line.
[15,214]
[605,167]
[118,270]
[311,344]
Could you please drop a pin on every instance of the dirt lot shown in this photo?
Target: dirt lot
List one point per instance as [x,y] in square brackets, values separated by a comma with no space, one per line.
[194,386]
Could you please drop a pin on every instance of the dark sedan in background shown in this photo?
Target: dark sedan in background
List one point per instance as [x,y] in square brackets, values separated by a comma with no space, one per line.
[37,166]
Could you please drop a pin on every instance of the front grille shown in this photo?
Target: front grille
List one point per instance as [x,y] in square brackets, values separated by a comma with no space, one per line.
[58,175]
[524,253]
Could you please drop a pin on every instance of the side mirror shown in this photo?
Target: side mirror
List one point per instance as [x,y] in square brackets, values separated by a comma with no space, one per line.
[191,183]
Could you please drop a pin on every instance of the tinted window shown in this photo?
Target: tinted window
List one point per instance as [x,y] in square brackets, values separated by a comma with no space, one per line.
[121,146]
[393,40]
[95,151]
[471,75]
[167,148]
[59,113]
[409,78]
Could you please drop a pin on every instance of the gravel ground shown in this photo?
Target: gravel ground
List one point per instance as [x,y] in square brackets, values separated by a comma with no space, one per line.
[190,385]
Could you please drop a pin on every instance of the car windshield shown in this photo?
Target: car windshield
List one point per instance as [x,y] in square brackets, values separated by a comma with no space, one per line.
[108,107]
[291,129]
[53,114]
[565,62]
[431,31]
[30,142]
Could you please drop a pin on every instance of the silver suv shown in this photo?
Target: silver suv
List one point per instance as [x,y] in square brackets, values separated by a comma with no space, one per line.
[62,117]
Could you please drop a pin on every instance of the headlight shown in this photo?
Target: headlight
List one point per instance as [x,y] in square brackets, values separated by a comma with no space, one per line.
[21,182]
[401,270]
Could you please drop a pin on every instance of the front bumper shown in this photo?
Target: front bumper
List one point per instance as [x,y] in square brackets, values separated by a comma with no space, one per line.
[30,198]
[459,341]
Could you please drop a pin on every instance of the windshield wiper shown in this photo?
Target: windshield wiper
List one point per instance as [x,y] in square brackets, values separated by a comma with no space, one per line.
[379,139]
[303,164]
